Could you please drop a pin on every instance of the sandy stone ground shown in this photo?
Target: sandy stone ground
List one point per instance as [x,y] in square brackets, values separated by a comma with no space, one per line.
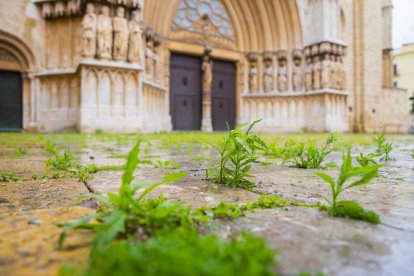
[306,239]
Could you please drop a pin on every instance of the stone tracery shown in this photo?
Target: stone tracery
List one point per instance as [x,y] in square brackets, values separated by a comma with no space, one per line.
[191,13]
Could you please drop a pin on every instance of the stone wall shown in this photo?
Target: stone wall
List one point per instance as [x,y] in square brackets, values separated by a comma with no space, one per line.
[393,117]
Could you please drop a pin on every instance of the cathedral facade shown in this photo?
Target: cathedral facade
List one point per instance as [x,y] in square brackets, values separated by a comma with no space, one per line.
[162,65]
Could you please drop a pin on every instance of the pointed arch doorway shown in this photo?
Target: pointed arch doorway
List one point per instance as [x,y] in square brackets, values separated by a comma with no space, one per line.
[202,27]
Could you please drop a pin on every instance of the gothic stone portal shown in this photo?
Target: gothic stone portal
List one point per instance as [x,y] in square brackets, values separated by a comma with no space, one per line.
[11,101]
[186,93]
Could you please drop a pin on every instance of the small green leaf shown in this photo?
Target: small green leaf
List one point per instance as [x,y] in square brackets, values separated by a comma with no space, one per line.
[327,179]
[365,180]
[112,226]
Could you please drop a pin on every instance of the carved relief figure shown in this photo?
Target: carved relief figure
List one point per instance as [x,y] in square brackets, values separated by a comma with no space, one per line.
[268,75]
[253,77]
[156,59]
[326,71]
[149,63]
[308,74]
[317,67]
[120,35]
[104,30]
[282,76]
[297,75]
[207,74]
[89,32]
[136,42]
[138,3]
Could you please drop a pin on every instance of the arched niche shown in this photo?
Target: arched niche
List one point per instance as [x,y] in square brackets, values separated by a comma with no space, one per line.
[16,57]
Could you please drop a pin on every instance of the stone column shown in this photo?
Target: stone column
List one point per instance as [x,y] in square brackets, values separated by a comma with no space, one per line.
[206,121]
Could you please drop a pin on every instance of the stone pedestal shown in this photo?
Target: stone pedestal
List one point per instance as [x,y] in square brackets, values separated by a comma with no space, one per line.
[206,121]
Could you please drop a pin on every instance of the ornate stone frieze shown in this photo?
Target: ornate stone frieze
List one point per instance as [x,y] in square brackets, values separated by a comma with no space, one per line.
[66,8]
[325,61]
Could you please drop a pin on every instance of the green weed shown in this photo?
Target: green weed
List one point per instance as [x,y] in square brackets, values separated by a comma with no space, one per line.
[51,148]
[166,164]
[122,213]
[367,160]
[384,148]
[352,209]
[237,155]
[20,152]
[60,161]
[9,177]
[183,254]
[309,156]
[347,172]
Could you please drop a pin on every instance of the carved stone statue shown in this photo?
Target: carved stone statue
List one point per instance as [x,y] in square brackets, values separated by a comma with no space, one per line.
[317,68]
[89,32]
[282,80]
[207,74]
[268,76]
[120,35]
[149,59]
[136,42]
[297,78]
[326,71]
[333,73]
[104,30]
[308,74]
[253,77]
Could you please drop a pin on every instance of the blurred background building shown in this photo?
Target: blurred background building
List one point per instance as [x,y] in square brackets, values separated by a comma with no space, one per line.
[161,65]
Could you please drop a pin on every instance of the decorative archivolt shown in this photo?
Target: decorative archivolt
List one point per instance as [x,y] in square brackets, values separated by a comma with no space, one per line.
[16,51]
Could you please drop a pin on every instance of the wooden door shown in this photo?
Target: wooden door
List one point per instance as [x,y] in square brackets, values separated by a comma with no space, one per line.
[185,92]
[223,95]
[11,110]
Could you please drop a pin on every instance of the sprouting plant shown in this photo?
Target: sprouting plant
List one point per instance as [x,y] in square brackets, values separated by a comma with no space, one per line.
[60,161]
[192,254]
[20,152]
[237,155]
[347,172]
[309,156]
[379,140]
[9,177]
[166,164]
[51,148]
[384,148]
[122,212]
[367,160]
